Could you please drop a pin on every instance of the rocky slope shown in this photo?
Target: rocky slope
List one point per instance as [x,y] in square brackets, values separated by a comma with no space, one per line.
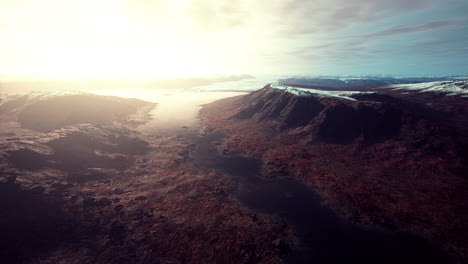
[46,111]
[79,185]
[389,157]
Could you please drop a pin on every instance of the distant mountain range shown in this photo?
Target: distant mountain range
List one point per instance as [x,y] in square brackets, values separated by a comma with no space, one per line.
[339,82]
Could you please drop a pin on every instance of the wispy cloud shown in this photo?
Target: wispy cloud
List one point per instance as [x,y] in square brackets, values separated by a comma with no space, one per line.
[218,15]
[226,35]
[339,14]
[396,30]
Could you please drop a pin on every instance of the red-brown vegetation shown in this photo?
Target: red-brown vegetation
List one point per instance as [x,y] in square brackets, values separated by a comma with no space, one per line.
[102,193]
[413,180]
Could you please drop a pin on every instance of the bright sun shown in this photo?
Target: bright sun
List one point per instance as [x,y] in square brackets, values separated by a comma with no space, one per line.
[111,40]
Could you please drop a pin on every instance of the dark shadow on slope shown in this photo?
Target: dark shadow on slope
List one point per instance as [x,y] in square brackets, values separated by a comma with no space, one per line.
[30,223]
[26,159]
[325,237]
[78,151]
[343,124]
[56,112]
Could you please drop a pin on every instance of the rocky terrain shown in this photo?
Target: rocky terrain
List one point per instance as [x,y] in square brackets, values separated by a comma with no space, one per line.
[78,184]
[391,156]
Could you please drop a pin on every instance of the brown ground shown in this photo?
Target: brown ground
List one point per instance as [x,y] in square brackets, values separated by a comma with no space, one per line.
[415,181]
[102,193]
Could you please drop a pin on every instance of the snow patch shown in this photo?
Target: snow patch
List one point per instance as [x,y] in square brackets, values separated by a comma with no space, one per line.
[449,88]
[246,85]
[45,95]
[315,92]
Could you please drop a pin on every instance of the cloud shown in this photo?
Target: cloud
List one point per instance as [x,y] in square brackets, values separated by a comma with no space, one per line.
[337,51]
[232,32]
[450,46]
[213,15]
[357,47]
[396,30]
[338,14]
[283,17]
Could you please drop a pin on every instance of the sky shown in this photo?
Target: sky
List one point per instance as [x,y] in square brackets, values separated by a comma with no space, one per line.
[157,39]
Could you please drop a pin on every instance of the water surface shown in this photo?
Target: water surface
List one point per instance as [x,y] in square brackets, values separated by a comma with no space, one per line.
[177,110]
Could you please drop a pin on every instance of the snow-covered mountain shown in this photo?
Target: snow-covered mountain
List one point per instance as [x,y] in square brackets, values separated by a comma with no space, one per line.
[436,84]
[446,87]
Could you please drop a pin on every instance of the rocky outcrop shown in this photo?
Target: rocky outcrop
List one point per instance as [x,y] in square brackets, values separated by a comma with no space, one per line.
[56,112]
[371,118]
[53,144]
[289,110]
[390,157]
[44,111]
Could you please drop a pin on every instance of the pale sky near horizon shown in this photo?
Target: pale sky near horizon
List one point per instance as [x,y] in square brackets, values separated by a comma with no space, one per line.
[150,39]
